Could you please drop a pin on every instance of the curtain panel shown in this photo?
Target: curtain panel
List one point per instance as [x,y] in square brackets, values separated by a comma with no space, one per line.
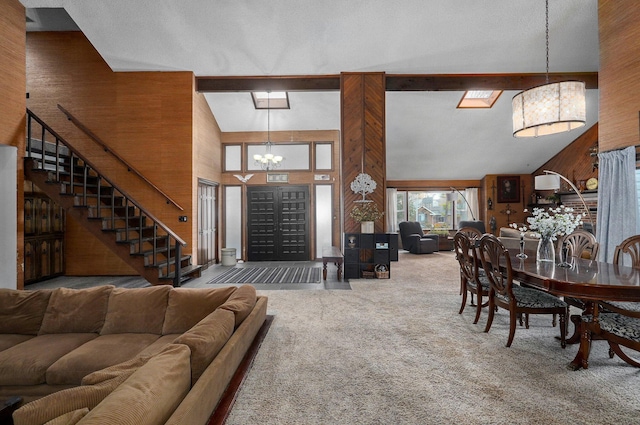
[617,203]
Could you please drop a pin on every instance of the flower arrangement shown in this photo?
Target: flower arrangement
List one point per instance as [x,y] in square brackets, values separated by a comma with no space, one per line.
[553,222]
[367,212]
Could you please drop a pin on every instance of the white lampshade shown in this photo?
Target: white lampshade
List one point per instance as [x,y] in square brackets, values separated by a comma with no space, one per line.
[452,196]
[549,109]
[547,182]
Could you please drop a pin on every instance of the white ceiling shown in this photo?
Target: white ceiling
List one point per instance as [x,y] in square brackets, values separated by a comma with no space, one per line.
[427,137]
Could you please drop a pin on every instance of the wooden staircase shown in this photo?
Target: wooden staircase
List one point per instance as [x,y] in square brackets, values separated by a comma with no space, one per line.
[106,211]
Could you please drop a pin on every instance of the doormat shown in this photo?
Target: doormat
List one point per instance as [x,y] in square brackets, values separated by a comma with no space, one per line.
[269,275]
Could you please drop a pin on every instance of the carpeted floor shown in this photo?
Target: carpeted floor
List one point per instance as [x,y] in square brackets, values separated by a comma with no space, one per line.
[265,275]
[396,351]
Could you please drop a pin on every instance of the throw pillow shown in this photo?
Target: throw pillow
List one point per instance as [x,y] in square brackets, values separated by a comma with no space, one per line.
[241,302]
[136,310]
[76,310]
[21,312]
[187,306]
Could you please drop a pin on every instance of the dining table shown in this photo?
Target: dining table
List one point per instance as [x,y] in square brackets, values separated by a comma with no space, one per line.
[587,280]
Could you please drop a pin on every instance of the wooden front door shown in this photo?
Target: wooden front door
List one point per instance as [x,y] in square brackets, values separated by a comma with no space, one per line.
[278,222]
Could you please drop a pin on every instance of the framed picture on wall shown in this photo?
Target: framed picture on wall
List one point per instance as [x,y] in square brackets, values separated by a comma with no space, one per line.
[508,189]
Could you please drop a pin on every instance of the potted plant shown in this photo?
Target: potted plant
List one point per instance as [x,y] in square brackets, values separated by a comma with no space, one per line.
[366,214]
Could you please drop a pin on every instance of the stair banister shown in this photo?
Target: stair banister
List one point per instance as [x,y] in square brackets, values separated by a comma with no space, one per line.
[106,148]
[75,152]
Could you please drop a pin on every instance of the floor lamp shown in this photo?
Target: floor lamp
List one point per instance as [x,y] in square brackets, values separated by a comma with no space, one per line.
[477,224]
[551,181]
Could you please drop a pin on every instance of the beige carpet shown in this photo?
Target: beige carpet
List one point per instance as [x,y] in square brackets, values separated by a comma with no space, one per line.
[397,352]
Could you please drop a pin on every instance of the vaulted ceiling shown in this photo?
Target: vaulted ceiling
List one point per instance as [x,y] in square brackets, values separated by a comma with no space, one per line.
[427,137]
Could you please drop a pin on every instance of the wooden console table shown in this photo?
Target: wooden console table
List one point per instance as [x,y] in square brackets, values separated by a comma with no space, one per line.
[333,254]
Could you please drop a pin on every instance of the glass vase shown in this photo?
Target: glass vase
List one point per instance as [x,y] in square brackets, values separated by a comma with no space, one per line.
[521,255]
[546,251]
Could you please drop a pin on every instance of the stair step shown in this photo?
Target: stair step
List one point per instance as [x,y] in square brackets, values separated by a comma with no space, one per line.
[121,234]
[119,222]
[186,273]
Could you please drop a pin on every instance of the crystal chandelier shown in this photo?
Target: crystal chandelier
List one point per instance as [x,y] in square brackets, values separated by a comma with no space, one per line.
[550,108]
[268,161]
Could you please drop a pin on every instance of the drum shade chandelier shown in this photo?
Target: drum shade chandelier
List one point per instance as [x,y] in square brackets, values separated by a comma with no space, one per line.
[268,161]
[550,108]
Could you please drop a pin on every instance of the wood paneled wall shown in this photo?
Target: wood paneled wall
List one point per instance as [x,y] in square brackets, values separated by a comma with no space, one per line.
[499,210]
[146,117]
[619,75]
[207,162]
[362,100]
[575,161]
[13,103]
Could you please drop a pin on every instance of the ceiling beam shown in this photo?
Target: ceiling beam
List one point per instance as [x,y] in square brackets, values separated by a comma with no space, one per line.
[393,82]
[274,83]
[463,82]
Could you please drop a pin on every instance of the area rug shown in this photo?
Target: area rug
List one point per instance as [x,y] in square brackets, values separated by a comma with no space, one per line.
[269,275]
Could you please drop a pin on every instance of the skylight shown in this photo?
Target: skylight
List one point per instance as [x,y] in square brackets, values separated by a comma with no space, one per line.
[479,98]
[270,100]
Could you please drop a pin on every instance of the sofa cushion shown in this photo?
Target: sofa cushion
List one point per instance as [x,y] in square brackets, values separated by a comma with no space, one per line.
[27,363]
[126,367]
[104,351]
[206,339]
[150,394]
[21,312]
[241,302]
[76,310]
[68,400]
[9,340]
[187,306]
[137,310]
[70,418]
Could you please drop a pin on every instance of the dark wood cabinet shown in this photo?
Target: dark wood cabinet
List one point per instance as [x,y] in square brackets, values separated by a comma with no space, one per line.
[369,255]
[44,224]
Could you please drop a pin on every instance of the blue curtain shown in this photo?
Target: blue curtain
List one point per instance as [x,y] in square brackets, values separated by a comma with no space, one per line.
[617,203]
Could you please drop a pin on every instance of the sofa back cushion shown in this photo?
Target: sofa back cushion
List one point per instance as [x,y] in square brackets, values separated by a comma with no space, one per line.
[76,310]
[206,339]
[21,312]
[187,306]
[150,395]
[136,310]
[241,302]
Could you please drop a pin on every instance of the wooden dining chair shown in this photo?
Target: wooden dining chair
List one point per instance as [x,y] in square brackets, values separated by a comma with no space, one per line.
[472,233]
[470,280]
[619,322]
[516,299]
[630,247]
[580,244]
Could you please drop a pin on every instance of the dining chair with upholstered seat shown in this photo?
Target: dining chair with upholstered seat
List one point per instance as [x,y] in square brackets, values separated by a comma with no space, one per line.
[579,244]
[471,282]
[514,298]
[619,322]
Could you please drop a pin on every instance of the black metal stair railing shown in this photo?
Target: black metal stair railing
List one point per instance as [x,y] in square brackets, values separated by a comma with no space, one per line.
[117,212]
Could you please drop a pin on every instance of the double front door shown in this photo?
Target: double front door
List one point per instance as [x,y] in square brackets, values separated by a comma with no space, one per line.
[278,222]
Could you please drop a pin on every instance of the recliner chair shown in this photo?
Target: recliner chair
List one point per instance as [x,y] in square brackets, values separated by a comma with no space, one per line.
[477,224]
[415,241]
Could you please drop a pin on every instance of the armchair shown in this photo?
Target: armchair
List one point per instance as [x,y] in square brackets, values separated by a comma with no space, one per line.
[415,241]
